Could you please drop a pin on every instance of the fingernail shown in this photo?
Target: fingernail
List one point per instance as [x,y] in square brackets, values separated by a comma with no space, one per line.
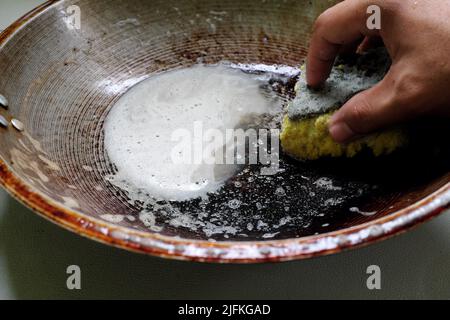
[341,132]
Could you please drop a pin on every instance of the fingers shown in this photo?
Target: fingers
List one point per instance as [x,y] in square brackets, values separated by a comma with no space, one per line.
[370,110]
[340,25]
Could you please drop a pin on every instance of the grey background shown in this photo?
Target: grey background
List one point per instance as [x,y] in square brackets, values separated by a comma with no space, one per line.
[34,255]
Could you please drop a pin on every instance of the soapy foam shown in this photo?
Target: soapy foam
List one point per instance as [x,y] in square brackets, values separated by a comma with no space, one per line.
[250,206]
[344,82]
[139,129]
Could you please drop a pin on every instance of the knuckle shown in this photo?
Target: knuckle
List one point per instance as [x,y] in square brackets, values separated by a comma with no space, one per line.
[408,89]
[360,113]
[323,20]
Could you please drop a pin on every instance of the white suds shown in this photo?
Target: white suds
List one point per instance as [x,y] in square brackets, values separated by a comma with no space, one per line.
[364,213]
[143,130]
[343,82]
[326,183]
[113,218]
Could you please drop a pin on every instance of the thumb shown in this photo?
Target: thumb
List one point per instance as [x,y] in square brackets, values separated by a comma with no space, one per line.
[368,111]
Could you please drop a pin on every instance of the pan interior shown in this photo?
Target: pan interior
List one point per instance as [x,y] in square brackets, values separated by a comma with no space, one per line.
[62,82]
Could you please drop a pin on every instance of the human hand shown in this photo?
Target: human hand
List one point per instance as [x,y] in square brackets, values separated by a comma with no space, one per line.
[416,34]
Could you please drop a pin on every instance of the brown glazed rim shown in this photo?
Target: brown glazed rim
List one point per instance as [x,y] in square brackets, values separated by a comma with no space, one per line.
[222,252]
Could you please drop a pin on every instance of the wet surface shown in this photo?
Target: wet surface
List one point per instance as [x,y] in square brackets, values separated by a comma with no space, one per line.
[301,198]
[65,94]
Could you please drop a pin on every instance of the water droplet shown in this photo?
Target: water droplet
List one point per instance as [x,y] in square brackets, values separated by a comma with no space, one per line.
[18,125]
[3,122]
[3,102]
[234,204]
[280,192]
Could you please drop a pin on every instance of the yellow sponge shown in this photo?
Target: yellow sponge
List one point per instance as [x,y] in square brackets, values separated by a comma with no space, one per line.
[309,139]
